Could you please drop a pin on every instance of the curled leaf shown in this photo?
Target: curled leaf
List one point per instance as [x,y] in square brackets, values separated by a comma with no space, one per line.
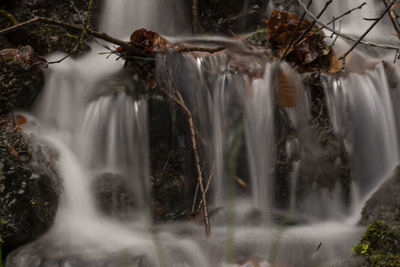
[148,40]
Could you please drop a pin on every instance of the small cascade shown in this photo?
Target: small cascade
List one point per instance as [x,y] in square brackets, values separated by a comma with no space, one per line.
[259,130]
[363,113]
[292,189]
[225,102]
[121,17]
[114,139]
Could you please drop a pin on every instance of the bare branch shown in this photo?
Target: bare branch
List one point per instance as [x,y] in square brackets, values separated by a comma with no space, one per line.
[393,19]
[179,100]
[345,36]
[368,30]
[333,21]
[292,37]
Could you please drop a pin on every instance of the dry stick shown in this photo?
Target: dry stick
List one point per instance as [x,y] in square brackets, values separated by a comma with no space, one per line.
[309,28]
[345,36]
[292,37]
[103,36]
[393,20]
[206,190]
[125,45]
[195,197]
[207,186]
[334,20]
[201,49]
[288,5]
[367,31]
[179,100]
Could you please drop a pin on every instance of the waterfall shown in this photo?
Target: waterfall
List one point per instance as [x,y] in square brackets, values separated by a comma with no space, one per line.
[370,127]
[246,135]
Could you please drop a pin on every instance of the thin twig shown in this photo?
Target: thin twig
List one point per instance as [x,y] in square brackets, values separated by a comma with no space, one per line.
[334,20]
[393,16]
[309,28]
[200,49]
[66,56]
[292,37]
[368,30]
[345,36]
[179,100]
[288,5]
[126,45]
[208,185]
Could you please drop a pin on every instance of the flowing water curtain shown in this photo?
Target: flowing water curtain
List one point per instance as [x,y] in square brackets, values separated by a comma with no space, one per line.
[361,108]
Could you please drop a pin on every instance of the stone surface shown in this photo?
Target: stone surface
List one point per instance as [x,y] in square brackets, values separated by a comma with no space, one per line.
[45,38]
[19,84]
[29,188]
[113,195]
[385,203]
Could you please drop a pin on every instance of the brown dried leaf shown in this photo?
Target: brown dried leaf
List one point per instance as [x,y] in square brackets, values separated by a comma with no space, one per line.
[148,40]
[287,89]
[6,121]
[336,65]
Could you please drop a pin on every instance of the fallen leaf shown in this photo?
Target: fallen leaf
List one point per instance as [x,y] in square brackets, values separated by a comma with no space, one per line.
[336,65]
[287,88]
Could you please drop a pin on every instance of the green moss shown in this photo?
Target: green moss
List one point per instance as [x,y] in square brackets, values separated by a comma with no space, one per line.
[259,37]
[380,245]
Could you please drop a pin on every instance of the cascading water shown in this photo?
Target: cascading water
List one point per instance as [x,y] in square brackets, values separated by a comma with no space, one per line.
[98,129]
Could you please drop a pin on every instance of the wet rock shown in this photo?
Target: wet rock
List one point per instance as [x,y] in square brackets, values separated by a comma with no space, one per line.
[113,195]
[29,188]
[20,83]
[385,203]
[46,38]
[380,245]
[324,162]
[171,156]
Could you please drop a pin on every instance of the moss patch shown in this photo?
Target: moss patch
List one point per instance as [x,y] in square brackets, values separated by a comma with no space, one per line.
[380,245]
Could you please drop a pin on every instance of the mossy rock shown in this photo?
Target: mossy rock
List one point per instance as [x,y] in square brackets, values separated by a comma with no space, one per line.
[29,188]
[380,245]
[19,85]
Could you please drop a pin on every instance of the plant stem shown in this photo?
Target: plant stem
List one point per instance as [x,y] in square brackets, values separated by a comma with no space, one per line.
[88,13]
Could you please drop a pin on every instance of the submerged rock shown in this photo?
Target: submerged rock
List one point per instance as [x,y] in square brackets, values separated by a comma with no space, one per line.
[29,188]
[113,195]
[385,203]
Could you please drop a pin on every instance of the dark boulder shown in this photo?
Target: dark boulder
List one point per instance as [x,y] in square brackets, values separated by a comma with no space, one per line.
[20,81]
[29,188]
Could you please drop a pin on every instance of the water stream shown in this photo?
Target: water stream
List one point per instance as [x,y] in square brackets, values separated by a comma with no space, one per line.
[98,129]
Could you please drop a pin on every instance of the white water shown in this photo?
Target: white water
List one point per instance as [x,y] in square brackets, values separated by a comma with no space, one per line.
[95,133]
